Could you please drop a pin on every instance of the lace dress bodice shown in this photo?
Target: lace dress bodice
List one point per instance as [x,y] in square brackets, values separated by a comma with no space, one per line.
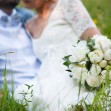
[66,24]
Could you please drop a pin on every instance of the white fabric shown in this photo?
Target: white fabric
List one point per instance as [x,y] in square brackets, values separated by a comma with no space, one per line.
[66,24]
[21,65]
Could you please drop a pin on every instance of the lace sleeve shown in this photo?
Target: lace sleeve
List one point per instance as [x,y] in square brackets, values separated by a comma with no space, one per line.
[77,16]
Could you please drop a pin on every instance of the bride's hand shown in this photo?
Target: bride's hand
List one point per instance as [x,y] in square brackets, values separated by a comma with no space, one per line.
[90,32]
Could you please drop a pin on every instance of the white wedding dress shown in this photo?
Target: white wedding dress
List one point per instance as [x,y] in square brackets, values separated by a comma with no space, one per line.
[66,24]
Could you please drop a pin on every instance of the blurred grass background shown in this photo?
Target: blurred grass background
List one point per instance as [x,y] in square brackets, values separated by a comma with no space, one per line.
[100,11]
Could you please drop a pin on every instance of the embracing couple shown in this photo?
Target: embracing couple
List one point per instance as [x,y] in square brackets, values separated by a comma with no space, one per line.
[38,47]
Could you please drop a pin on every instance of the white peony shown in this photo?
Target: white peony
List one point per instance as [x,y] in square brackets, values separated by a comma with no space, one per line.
[79,52]
[95,70]
[107,55]
[83,63]
[103,63]
[102,42]
[82,50]
[78,71]
[96,56]
[103,74]
[94,81]
[73,59]
[82,43]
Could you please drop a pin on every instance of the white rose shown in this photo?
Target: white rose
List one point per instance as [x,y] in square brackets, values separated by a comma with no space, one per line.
[96,56]
[104,45]
[83,63]
[80,51]
[107,55]
[103,63]
[82,43]
[73,59]
[78,72]
[95,69]
[94,81]
[102,42]
[75,68]
[103,74]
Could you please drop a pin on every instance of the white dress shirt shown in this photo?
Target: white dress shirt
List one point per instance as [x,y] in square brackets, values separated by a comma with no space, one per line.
[16,54]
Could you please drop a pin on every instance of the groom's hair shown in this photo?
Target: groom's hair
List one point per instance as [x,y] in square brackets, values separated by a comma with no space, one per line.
[8,4]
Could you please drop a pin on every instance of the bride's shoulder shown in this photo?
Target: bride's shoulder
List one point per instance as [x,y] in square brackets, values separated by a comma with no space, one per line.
[68,3]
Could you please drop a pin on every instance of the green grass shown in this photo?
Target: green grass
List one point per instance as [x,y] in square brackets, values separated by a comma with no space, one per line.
[100,11]
[100,102]
[7,102]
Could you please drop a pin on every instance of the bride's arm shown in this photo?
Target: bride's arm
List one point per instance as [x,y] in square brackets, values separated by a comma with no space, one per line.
[79,19]
[90,32]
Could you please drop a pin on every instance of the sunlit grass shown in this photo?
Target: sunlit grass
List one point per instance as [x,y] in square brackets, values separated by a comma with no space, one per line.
[100,102]
[7,102]
[100,11]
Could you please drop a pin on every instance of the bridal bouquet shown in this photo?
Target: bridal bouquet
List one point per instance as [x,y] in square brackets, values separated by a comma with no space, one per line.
[90,61]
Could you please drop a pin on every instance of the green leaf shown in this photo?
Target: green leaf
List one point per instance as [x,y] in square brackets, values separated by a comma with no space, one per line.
[67,64]
[80,85]
[68,70]
[91,44]
[29,86]
[5,71]
[66,58]
[88,65]
[78,41]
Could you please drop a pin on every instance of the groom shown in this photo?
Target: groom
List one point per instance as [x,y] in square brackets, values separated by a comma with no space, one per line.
[16,54]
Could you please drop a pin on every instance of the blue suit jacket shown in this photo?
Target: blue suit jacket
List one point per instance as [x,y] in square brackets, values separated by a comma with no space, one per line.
[24,14]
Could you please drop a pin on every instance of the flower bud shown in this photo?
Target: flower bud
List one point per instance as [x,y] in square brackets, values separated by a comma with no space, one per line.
[94,81]
[96,56]
[103,63]
[95,70]
[107,55]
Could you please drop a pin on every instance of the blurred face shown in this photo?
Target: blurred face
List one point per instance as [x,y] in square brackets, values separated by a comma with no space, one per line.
[8,4]
[33,3]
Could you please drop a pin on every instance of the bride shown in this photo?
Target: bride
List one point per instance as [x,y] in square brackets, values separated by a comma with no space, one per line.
[55,29]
